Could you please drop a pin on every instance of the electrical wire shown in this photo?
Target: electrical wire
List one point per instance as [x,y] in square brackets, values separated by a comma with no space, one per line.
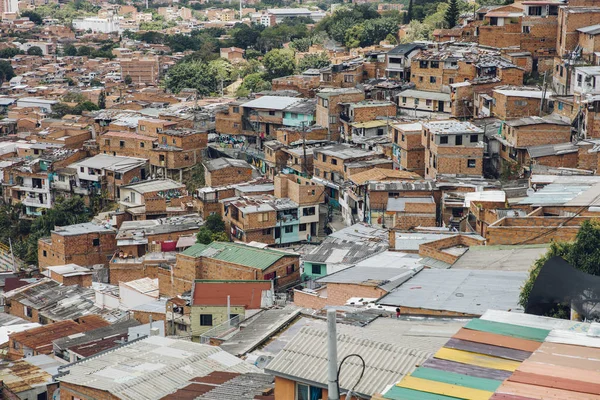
[362,373]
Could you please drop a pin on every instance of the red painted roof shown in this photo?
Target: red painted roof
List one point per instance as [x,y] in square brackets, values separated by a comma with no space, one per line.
[242,293]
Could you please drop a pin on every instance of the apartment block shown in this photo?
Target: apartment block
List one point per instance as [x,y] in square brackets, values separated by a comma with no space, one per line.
[330,107]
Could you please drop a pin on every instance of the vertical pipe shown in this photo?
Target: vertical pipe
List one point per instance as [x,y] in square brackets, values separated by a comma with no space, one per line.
[228,310]
[332,366]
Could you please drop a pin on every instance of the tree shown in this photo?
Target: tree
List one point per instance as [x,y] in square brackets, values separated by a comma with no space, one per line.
[9,52]
[391,39]
[128,80]
[214,223]
[583,254]
[253,83]
[452,14]
[70,50]
[204,236]
[33,16]
[301,45]
[408,13]
[102,100]
[35,51]
[6,71]
[95,82]
[279,63]
[313,60]
[84,51]
[195,75]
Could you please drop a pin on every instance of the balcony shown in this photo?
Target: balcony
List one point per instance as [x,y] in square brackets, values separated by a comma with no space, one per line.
[34,202]
[345,117]
[31,188]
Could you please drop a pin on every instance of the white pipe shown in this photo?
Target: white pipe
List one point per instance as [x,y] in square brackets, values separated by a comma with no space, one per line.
[332,356]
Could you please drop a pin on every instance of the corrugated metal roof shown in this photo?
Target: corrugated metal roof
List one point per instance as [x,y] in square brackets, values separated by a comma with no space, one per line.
[463,291]
[304,359]
[501,258]
[151,368]
[272,102]
[237,254]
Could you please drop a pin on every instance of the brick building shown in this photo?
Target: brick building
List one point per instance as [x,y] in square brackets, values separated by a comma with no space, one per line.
[83,244]
[520,134]
[229,261]
[156,198]
[513,102]
[226,171]
[364,111]
[142,70]
[330,106]
[306,85]
[452,147]
[407,148]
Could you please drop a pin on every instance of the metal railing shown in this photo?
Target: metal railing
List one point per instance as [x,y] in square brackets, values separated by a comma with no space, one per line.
[222,330]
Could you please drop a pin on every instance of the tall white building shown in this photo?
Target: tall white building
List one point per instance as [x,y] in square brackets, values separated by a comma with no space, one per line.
[96,24]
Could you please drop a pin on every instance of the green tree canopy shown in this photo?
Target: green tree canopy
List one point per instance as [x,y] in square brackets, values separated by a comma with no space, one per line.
[452,14]
[70,50]
[9,52]
[279,63]
[33,16]
[313,60]
[6,71]
[35,51]
[583,254]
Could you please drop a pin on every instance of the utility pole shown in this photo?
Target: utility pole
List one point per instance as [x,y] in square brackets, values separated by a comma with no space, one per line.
[543,93]
[304,169]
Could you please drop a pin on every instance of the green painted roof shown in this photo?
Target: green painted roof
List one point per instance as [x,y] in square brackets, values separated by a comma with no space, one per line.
[237,254]
[516,331]
[398,393]
[454,378]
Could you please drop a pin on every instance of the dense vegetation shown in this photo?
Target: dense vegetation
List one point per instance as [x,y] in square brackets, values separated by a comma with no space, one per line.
[583,254]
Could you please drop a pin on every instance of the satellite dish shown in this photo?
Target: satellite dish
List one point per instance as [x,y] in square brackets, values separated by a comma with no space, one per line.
[263,361]
[530,192]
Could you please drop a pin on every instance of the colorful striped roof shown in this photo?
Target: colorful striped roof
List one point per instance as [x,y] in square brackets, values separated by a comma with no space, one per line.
[493,358]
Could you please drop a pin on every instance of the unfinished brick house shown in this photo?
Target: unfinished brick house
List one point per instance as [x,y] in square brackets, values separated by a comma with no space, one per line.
[407,148]
[452,147]
[226,171]
[84,244]
[330,106]
[520,134]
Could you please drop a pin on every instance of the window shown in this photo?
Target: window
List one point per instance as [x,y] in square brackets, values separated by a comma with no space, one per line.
[324,158]
[450,81]
[423,64]
[141,145]
[305,392]
[106,142]
[458,140]
[560,105]
[526,29]
[236,110]
[118,175]
[45,253]
[432,79]
[308,211]
[316,269]
[332,119]
[290,269]
[579,79]
[61,178]
[206,319]
[471,163]
[143,128]
[428,102]
[96,242]
[416,102]
[334,161]
[81,169]
[391,195]
[325,103]
[520,103]
[348,78]
[420,79]
[379,131]
[271,112]
[289,229]
[404,99]
[121,143]
[443,139]
[236,125]
[535,10]
[27,311]
[435,64]
[503,147]
[474,138]
[312,192]
[302,227]
[132,197]
[267,231]
[294,115]
[263,217]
